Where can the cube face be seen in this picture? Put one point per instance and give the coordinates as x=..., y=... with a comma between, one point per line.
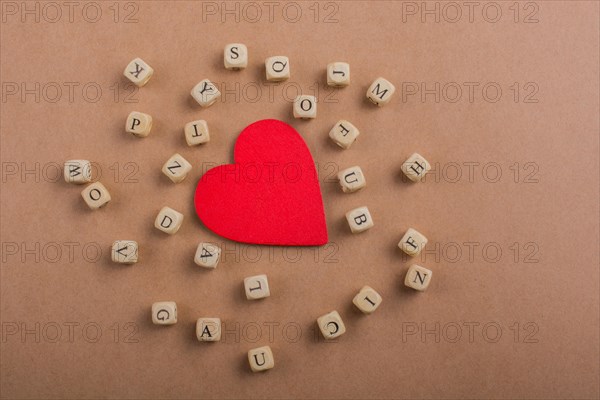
x=257, y=287
x=380, y=92
x=305, y=107
x=338, y=74
x=235, y=56
x=367, y=300
x=138, y=124
x=412, y=242
x=261, y=359
x=176, y=168
x=78, y=171
x=168, y=220
x=343, y=133
x=196, y=132
x=207, y=255
x=277, y=68
x=331, y=325
x=138, y=72
x=205, y=93
x=164, y=313
x=352, y=179
x=418, y=277
x=359, y=219
x=415, y=167
x=95, y=195
x=208, y=329
x=124, y=252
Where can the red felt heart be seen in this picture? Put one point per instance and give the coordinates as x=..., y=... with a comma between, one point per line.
x=271, y=195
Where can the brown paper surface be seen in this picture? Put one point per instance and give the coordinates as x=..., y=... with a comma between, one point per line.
x=500, y=97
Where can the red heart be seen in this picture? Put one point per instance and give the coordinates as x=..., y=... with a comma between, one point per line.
x=271, y=195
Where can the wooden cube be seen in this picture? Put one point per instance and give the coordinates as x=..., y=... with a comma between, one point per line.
x=261, y=359
x=418, y=277
x=235, y=56
x=205, y=93
x=95, y=195
x=415, y=167
x=277, y=68
x=207, y=255
x=412, y=242
x=196, y=132
x=138, y=124
x=338, y=74
x=208, y=329
x=138, y=72
x=176, y=168
x=359, y=219
x=352, y=179
x=164, y=313
x=124, y=251
x=367, y=300
x=78, y=171
x=305, y=107
x=331, y=325
x=380, y=92
x=343, y=133
x=257, y=287
x=168, y=220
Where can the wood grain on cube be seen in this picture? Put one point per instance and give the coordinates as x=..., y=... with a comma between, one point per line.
x=412, y=242
x=261, y=359
x=352, y=179
x=138, y=124
x=176, y=168
x=196, y=132
x=138, y=71
x=78, y=171
x=124, y=251
x=343, y=133
x=164, y=313
x=305, y=107
x=168, y=220
x=95, y=195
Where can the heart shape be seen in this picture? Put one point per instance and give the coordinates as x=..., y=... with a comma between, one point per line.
x=270, y=195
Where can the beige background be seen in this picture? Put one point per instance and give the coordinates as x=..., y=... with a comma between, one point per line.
x=551, y=212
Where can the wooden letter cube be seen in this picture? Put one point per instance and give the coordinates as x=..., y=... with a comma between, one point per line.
x=412, y=242
x=235, y=56
x=380, y=92
x=78, y=171
x=305, y=107
x=343, y=133
x=359, y=219
x=338, y=74
x=208, y=329
x=331, y=325
x=278, y=68
x=124, y=251
x=138, y=124
x=415, y=167
x=164, y=313
x=95, y=195
x=367, y=300
x=196, y=132
x=257, y=287
x=207, y=255
x=205, y=93
x=352, y=179
x=168, y=220
x=138, y=72
x=261, y=359
x=176, y=168
x=418, y=277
